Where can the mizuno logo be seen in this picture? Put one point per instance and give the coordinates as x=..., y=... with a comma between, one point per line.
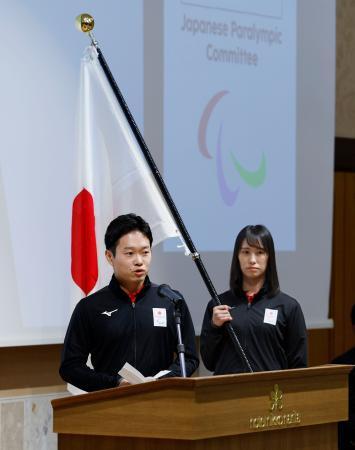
x=108, y=313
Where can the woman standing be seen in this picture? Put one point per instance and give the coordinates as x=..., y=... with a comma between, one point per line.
x=269, y=323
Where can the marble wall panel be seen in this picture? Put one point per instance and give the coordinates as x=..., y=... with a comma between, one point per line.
x=26, y=422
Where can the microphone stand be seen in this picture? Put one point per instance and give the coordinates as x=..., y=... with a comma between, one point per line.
x=180, y=346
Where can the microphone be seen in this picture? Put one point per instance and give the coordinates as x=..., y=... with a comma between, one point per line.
x=165, y=291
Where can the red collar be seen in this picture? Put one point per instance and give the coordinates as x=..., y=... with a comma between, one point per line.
x=250, y=297
x=133, y=295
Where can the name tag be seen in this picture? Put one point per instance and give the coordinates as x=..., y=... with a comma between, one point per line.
x=159, y=317
x=270, y=316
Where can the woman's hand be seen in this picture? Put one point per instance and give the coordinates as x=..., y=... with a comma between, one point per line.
x=221, y=315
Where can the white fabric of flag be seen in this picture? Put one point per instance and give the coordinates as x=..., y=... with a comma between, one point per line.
x=110, y=137
x=111, y=164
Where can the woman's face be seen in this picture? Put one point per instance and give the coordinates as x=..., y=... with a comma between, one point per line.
x=253, y=261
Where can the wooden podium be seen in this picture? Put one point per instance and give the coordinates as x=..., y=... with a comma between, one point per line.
x=288, y=410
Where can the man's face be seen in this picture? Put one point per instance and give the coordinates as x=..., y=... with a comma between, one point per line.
x=132, y=260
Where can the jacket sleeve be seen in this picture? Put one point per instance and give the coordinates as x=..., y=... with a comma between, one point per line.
x=296, y=338
x=211, y=338
x=189, y=341
x=73, y=368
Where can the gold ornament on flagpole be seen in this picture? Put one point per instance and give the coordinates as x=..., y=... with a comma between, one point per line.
x=85, y=23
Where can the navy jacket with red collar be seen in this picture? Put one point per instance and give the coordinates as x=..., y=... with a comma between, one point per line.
x=272, y=332
x=114, y=330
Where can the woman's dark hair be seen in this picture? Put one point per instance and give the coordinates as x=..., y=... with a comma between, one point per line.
x=256, y=236
x=122, y=225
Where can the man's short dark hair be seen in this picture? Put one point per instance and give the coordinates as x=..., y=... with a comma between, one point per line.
x=124, y=224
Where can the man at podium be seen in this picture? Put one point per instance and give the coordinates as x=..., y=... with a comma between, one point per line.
x=270, y=324
x=126, y=321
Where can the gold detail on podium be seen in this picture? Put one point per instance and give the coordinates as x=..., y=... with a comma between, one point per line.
x=276, y=399
x=274, y=419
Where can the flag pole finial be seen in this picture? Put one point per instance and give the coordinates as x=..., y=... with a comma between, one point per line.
x=85, y=23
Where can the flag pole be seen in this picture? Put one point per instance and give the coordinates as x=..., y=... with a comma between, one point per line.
x=85, y=23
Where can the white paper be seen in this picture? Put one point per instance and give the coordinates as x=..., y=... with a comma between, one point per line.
x=133, y=376
x=161, y=373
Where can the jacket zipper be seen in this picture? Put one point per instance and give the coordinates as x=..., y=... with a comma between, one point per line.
x=245, y=336
x=135, y=333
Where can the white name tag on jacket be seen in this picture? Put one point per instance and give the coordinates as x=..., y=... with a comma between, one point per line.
x=270, y=316
x=159, y=317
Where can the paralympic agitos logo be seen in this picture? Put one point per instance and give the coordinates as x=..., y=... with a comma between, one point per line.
x=251, y=178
